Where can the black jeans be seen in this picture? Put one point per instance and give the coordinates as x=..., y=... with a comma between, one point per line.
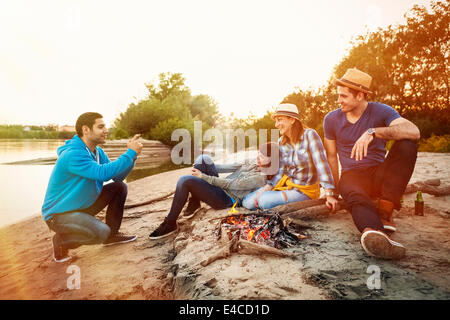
x=79, y=227
x=387, y=181
x=199, y=189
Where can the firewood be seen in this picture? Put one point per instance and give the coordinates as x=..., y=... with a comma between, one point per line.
x=427, y=188
x=312, y=212
x=224, y=252
x=134, y=205
x=247, y=247
x=294, y=206
x=433, y=182
x=430, y=186
x=298, y=223
x=247, y=213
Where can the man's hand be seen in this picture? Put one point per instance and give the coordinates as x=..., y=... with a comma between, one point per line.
x=134, y=144
x=196, y=173
x=359, y=150
x=332, y=204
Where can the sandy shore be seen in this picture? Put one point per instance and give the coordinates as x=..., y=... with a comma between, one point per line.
x=332, y=264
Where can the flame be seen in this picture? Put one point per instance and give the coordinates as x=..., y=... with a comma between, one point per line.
x=246, y=226
x=233, y=210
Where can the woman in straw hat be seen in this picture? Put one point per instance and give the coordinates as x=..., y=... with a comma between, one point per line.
x=303, y=166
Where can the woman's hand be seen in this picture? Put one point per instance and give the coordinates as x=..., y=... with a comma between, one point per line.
x=196, y=173
x=267, y=187
x=332, y=204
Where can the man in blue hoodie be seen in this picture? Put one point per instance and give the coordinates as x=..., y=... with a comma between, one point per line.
x=75, y=192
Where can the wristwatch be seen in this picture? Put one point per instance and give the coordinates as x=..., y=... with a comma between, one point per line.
x=371, y=131
x=329, y=193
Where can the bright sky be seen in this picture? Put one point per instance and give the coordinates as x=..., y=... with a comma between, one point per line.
x=61, y=58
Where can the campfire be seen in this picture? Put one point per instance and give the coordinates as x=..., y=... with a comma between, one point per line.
x=254, y=233
x=266, y=229
x=265, y=232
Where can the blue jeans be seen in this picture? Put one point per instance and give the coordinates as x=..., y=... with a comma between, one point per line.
x=270, y=199
x=79, y=227
x=199, y=189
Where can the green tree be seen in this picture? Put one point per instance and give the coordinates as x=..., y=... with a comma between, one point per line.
x=204, y=108
x=170, y=84
x=169, y=106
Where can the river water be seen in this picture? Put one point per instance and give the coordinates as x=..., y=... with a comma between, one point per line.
x=23, y=187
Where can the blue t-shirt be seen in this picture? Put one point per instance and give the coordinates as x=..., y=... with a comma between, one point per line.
x=337, y=127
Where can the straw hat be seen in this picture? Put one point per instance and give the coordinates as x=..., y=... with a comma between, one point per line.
x=287, y=109
x=355, y=79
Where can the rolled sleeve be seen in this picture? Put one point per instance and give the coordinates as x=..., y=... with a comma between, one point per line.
x=319, y=158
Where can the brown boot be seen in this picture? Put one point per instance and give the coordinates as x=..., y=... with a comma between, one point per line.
x=385, y=213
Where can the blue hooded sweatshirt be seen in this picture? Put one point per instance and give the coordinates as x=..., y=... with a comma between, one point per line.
x=77, y=178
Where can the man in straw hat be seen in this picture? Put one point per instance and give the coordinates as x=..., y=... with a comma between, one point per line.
x=358, y=132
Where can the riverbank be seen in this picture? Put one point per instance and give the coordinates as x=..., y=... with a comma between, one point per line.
x=154, y=153
x=331, y=263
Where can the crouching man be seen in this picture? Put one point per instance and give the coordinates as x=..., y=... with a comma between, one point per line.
x=75, y=192
x=358, y=132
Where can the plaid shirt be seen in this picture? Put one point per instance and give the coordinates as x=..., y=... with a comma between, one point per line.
x=305, y=163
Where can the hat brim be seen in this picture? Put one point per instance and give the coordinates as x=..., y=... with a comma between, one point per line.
x=338, y=82
x=287, y=114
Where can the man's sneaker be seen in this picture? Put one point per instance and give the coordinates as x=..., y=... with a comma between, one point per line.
x=192, y=208
x=378, y=244
x=60, y=253
x=119, y=238
x=165, y=229
x=388, y=225
x=385, y=213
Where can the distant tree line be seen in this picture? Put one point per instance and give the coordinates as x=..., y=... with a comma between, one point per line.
x=32, y=132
